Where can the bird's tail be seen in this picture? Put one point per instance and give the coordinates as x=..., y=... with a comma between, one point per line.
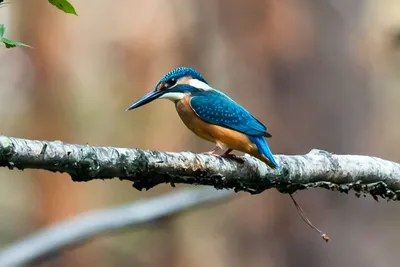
x=264, y=153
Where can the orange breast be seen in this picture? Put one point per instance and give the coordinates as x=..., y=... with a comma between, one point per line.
x=223, y=137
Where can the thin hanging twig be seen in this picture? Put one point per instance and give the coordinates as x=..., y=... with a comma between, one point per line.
x=303, y=215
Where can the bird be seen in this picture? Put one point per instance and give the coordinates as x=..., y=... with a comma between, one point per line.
x=212, y=115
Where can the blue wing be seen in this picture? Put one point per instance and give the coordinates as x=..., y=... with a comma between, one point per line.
x=217, y=108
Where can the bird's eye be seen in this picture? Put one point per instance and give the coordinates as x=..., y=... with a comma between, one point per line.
x=171, y=82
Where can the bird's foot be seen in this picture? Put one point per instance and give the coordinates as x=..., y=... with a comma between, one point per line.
x=232, y=156
x=227, y=153
x=212, y=152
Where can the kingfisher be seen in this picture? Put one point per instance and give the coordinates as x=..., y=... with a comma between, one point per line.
x=212, y=115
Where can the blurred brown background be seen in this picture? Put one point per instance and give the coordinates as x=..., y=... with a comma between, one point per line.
x=320, y=73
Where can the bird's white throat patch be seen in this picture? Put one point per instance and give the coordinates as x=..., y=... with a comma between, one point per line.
x=199, y=84
x=173, y=96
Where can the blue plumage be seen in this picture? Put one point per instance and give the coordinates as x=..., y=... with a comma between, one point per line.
x=179, y=73
x=263, y=148
x=212, y=107
x=217, y=108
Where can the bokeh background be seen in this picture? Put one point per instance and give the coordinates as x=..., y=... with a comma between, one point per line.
x=320, y=73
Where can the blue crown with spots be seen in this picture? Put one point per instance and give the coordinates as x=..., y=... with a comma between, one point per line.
x=182, y=72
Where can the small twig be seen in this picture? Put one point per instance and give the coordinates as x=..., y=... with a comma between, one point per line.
x=306, y=220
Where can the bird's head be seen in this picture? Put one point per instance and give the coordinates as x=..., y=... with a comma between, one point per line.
x=174, y=86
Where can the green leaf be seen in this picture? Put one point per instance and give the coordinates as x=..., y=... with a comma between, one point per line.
x=64, y=5
x=7, y=42
x=2, y=30
x=10, y=43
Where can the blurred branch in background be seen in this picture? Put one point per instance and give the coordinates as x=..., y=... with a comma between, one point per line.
x=147, y=169
x=81, y=228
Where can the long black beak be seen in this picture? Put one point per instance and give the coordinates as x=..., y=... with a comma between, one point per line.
x=153, y=95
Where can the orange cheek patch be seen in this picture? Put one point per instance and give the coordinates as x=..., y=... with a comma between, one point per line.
x=161, y=86
x=185, y=80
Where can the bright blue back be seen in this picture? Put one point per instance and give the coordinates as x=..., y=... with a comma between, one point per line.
x=217, y=108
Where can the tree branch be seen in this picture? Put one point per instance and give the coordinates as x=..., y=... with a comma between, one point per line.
x=88, y=225
x=147, y=169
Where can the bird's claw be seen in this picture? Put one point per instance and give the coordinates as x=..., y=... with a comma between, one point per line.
x=211, y=153
x=227, y=153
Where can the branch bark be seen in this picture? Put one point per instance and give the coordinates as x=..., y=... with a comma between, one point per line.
x=146, y=169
